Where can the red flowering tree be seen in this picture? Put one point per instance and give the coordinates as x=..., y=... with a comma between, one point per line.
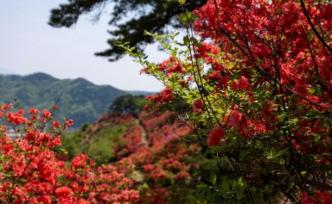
x=258, y=76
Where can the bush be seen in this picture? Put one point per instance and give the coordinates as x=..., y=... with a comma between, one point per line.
x=33, y=172
x=257, y=75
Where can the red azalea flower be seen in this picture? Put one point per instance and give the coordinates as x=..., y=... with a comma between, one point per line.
x=198, y=106
x=56, y=124
x=47, y=114
x=215, y=136
x=69, y=123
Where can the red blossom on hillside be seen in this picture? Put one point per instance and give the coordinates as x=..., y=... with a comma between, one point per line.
x=69, y=123
x=56, y=124
x=33, y=111
x=55, y=107
x=16, y=118
x=47, y=114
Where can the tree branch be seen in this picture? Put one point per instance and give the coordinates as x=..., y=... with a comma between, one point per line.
x=321, y=39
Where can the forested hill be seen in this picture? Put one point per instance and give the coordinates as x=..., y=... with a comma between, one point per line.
x=77, y=99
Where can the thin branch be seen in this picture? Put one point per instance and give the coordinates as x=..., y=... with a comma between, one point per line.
x=194, y=63
x=263, y=72
x=202, y=85
x=324, y=87
x=321, y=39
x=250, y=56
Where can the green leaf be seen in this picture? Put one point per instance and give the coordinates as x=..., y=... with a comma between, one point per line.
x=182, y=2
x=187, y=18
x=213, y=178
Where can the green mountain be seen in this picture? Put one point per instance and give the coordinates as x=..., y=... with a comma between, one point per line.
x=77, y=99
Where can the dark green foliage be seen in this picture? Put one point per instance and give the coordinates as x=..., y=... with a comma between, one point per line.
x=128, y=104
x=176, y=105
x=77, y=99
x=149, y=15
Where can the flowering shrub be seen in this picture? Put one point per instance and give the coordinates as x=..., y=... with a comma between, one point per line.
x=32, y=171
x=258, y=76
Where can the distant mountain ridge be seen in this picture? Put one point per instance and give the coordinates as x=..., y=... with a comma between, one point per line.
x=137, y=93
x=78, y=99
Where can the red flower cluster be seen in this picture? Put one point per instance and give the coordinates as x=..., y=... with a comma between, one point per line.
x=262, y=71
x=198, y=106
x=31, y=171
x=246, y=31
x=164, y=96
x=319, y=198
x=215, y=136
x=171, y=65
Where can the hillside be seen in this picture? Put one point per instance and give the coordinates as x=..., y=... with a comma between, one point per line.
x=113, y=137
x=78, y=99
x=151, y=148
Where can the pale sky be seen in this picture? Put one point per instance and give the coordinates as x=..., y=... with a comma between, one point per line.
x=28, y=44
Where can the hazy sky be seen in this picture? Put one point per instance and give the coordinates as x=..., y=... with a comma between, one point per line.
x=28, y=44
